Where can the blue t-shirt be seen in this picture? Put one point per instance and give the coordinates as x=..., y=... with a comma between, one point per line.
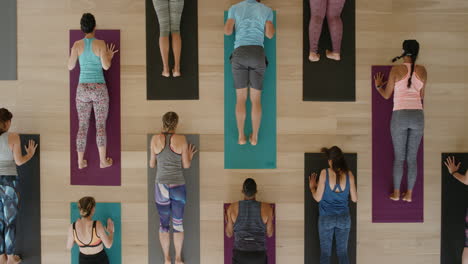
x=250, y=17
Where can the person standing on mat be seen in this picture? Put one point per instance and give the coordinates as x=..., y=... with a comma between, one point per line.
x=171, y=153
x=332, y=10
x=453, y=168
x=169, y=14
x=407, y=125
x=93, y=233
x=93, y=55
x=252, y=21
x=10, y=157
x=250, y=222
x=334, y=188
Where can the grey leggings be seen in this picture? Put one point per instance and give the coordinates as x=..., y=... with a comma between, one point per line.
x=169, y=14
x=407, y=128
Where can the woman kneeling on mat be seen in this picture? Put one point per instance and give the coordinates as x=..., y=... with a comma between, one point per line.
x=453, y=168
x=169, y=14
x=172, y=154
x=10, y=157
x=332, y=192
x=407, y=125
x=85, y=229
x=93, y=55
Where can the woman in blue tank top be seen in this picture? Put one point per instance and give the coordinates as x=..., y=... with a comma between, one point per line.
x=93, y=56
x=333, y=190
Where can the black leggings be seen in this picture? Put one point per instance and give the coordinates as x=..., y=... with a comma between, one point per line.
x=99, y=258
x=249, y=257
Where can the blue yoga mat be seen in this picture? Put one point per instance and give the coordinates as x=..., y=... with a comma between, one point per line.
x=103, y=212
x=262, y=156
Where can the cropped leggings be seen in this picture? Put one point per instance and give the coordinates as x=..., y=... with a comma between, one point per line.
x=170, y=202
x=407, y=128
x=169, y=13
x=89, y=96
x=332, y=10
x=8, y=213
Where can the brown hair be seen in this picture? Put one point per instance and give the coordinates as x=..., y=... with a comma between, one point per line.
x=86, y=206
x=5, y=116
x=339, y=165
x=170, y=121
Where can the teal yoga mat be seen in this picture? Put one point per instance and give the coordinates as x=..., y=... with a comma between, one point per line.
x=262, y=156
x=103, y=212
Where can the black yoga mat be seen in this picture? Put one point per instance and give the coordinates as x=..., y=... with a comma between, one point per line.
x=191, y=249
x=454, y=206
x=184, y=87
x=28, y=226
x=329, y=80
x=315, y=162
x=8, y=44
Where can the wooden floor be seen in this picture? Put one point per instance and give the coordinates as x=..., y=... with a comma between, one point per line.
x=40, y=103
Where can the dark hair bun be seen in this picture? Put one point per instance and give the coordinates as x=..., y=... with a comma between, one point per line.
x=250, y=187
x=88, y=23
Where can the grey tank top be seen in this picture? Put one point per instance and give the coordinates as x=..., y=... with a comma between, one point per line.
x=7, y=161
x=169, y=165
x=249, y=229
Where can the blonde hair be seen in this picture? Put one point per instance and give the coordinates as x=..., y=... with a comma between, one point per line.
x=170, y=121
x=86, y=206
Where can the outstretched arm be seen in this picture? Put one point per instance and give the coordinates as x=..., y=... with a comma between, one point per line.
x=453, y=168
x=106, y=234
x=14, y=139
x=107, y=53
x=390, y=84
x=188, y=152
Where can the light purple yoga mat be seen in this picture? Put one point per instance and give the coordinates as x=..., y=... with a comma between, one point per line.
x=385, y=210
x=229, y=242
x=93, y=175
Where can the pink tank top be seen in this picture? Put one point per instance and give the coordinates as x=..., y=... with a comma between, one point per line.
x=408, y=97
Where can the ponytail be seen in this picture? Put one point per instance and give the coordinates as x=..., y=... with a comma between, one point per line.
x=339, y=165
x=413, y=63
x=410, y=49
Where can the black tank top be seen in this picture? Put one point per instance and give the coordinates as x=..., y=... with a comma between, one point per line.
x=249, y=229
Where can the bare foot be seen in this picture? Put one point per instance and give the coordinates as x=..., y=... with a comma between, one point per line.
x=314, y=57
x=242, y=140
x=167, y=262
x=253, y=140
x=166, y=73
x=395, y=196
x=15, y=259
x=407, y=197
x=83, y=164
x=176, y=73
x=333, y=55
x=179, y=262
x=107, y=163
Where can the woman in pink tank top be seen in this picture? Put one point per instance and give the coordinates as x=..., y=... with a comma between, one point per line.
x=407, y=84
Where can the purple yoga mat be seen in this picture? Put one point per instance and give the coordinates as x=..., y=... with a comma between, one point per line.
x=93, y=175
x=385, y=210
x=229, y=242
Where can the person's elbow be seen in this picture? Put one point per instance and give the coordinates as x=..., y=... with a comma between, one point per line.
x=354, y=199
x=71, y=67
x=106, y=66
x=270, y=233
x=20, y=161
x=270, y=33
x=229, y=234
x=186, y=165
x=228, y=30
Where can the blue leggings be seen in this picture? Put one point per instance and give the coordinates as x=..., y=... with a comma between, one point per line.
x=170, y=202
x=339, y=226
x=8, y=213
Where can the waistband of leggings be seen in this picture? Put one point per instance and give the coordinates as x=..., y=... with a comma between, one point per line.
x=92, y=256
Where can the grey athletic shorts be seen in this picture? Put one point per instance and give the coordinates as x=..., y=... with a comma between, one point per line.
x=248, y=67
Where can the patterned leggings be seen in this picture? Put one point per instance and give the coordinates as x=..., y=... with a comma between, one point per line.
x=332, y=9
x=8, y=213
x=169, y=13
x=89, y=96
x=170, y=198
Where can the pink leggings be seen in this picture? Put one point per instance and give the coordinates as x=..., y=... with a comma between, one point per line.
x=89, y=96
x=332, y=9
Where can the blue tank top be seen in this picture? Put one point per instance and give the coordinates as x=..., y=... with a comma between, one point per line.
x=249, y=229
x=90, y=64
x=333, y=202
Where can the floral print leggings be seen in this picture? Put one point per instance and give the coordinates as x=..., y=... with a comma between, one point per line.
x=89, y=96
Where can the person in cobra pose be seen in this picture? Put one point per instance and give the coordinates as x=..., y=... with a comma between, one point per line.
x=334, y=188
x=169, y=14
x=250, y=222
x=408, y=83
x=10, y=157
x=332, y=10
x=453, y=168
x=85, y=229
x=252, y=22
x=171, y=153
x=93, y=55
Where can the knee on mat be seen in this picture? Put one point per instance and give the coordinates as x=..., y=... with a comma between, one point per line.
x=316, y=19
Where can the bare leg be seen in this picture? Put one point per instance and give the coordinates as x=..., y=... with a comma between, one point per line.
x=176, y=48
x=465, y=256
x=165, y=240
x=82, y=163
x=241, y=113
x=13, y=259
x=164, y=47
x=395, y=196
x=408, y=196
x=255, y=98
x=178, y=243
x=104, y=160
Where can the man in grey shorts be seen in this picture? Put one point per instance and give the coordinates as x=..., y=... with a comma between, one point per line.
x=252, y=21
